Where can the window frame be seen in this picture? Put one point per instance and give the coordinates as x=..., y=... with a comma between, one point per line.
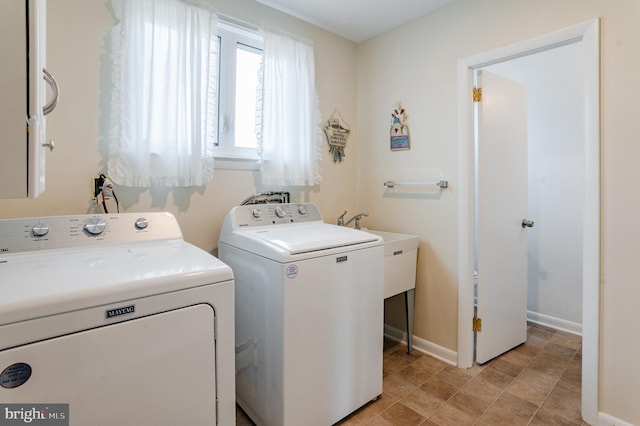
x=226, y=155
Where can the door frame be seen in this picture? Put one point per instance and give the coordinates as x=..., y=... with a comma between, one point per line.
x=587, y=33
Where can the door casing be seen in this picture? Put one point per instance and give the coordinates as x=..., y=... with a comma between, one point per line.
x=589, y=34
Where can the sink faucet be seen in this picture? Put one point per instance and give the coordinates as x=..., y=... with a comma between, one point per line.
x=341, y=219
x=357, y=219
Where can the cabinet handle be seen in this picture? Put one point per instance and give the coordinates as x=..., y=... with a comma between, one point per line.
x=50, y=106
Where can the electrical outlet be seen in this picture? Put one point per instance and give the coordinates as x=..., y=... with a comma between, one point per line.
x=96, y=186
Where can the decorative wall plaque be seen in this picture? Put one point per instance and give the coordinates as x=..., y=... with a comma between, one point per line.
x=337, y=131
x=399, y=132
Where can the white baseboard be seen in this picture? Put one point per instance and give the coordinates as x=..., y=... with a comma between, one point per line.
x=451, y=357
x=607, y=420
x=556, y=323
x=424, y=346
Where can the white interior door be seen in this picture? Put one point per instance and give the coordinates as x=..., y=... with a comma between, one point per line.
x=502, y=200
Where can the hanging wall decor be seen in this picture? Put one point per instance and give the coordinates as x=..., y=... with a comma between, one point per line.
x=337, y=131
x=399, y=131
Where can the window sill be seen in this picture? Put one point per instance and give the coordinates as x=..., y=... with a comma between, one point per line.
x=235, y=163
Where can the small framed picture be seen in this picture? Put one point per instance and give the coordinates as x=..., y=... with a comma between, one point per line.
x=399, y=132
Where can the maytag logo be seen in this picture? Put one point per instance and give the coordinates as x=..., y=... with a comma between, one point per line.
x=341, y=259
x=111, y=313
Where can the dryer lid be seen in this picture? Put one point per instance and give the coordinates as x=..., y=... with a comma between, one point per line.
x=63, y=280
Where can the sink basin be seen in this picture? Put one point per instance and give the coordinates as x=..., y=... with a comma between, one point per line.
x=400, y=257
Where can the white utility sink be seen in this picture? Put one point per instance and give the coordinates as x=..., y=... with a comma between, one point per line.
x=400, y=256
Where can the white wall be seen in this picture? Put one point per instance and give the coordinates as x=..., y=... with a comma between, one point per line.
x=417, y=64
x=77, y=32
x=554, y=81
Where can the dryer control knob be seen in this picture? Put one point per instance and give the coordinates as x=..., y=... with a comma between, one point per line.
x=95, y=225
x=302, y=210
x=256, y=213
x=40, y=229
x=280, y=212
x=141, y=223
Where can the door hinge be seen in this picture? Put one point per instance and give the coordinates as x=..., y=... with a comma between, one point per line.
x=477, y=324
x=477, y=94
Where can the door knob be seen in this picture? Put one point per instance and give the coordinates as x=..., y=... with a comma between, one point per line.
x=526, y=223
x=49, y=145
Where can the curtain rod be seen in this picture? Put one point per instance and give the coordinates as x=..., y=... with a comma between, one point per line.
x=238, y=22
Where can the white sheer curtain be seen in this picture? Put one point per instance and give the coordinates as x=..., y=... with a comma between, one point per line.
x=289, y=131
x=164, y=98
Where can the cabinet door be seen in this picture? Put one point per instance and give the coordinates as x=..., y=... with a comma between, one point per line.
x=13, y=108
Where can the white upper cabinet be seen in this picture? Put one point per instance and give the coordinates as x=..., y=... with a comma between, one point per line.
x=23, y=106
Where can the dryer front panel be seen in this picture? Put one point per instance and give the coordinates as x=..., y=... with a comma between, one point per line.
x=158, y=369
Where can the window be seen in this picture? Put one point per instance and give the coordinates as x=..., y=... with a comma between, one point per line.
x=188, y=87
x=240, y=63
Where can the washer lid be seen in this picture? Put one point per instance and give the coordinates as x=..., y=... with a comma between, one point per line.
x=298, y=238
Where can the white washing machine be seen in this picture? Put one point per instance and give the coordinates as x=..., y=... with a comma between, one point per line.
x=309, y=314
x=118, y=317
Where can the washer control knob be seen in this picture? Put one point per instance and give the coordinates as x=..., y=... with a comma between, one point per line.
x=141, y=223
x=95, y=225
x=280, y=212
x=40, y=229
x=256, y=213
x=302, y=210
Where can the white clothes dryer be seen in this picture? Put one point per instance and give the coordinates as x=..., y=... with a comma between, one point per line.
x=309, y=314
x=118, y=317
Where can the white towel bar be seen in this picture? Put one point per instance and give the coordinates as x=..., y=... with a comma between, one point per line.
x=442, y=184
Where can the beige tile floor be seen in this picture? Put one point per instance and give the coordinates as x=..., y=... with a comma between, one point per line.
x=537, y=383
